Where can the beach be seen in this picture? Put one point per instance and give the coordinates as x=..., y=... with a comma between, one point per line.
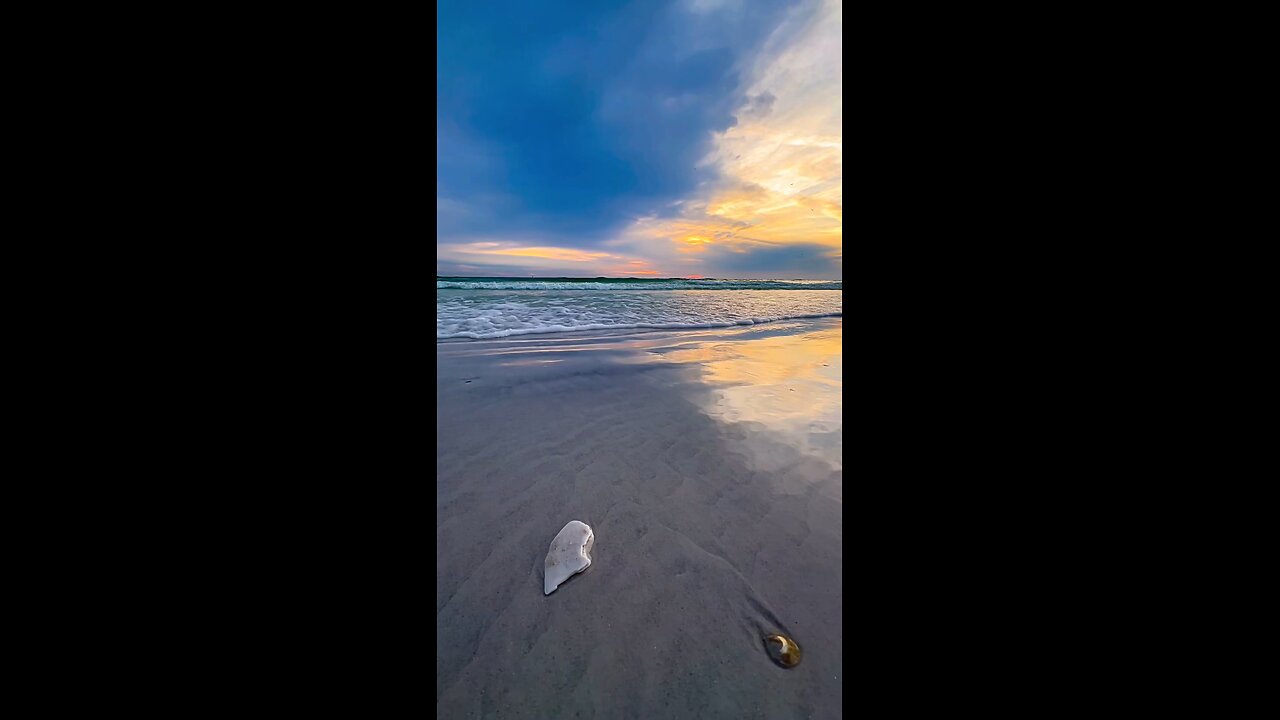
x=707, y=461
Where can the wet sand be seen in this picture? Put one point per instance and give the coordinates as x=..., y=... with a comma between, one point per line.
x=708, y=464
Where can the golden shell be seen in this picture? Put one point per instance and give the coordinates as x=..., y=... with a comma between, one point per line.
x=783, y=650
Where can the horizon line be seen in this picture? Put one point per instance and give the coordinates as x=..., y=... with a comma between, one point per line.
x=625, y=277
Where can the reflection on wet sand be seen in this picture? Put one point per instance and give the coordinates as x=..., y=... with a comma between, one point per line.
x=785, y=386
x=775, y=389
x=706, y=462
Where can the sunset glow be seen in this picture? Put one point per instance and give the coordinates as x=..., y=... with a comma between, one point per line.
x=752, y=112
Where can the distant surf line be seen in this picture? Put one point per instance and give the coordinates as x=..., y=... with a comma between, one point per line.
x=497, y=283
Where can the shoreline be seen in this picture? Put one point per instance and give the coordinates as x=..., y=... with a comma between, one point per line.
x=640, y=327
x=708, y=464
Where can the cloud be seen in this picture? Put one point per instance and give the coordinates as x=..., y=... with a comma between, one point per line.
x=780, y=261
x=498, y=257
x=758, y=106
x=584, y=117
x=656, y=137
x=778, y=197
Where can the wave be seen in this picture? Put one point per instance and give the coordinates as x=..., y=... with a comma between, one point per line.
x=633, y=284
x=559, y=328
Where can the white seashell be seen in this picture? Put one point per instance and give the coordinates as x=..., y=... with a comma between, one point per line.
x=570, y=553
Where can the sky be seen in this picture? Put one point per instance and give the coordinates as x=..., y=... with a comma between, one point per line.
x=655, y=138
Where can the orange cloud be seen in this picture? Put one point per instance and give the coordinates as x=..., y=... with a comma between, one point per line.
x=546, y=258
x=635, y=267
x=694, y=243
x=549, y=253
x=781, y=169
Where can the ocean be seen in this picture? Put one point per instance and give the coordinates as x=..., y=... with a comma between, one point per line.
x=501, y=307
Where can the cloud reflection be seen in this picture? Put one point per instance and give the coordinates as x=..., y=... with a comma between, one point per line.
x=787, y=386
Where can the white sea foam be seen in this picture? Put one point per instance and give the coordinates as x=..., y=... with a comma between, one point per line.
x=539, y=329
x=486, y=314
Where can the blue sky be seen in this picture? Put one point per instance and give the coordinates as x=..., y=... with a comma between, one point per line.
x=661, y=139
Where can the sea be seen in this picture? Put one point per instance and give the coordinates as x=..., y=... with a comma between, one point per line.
x=497, y=307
